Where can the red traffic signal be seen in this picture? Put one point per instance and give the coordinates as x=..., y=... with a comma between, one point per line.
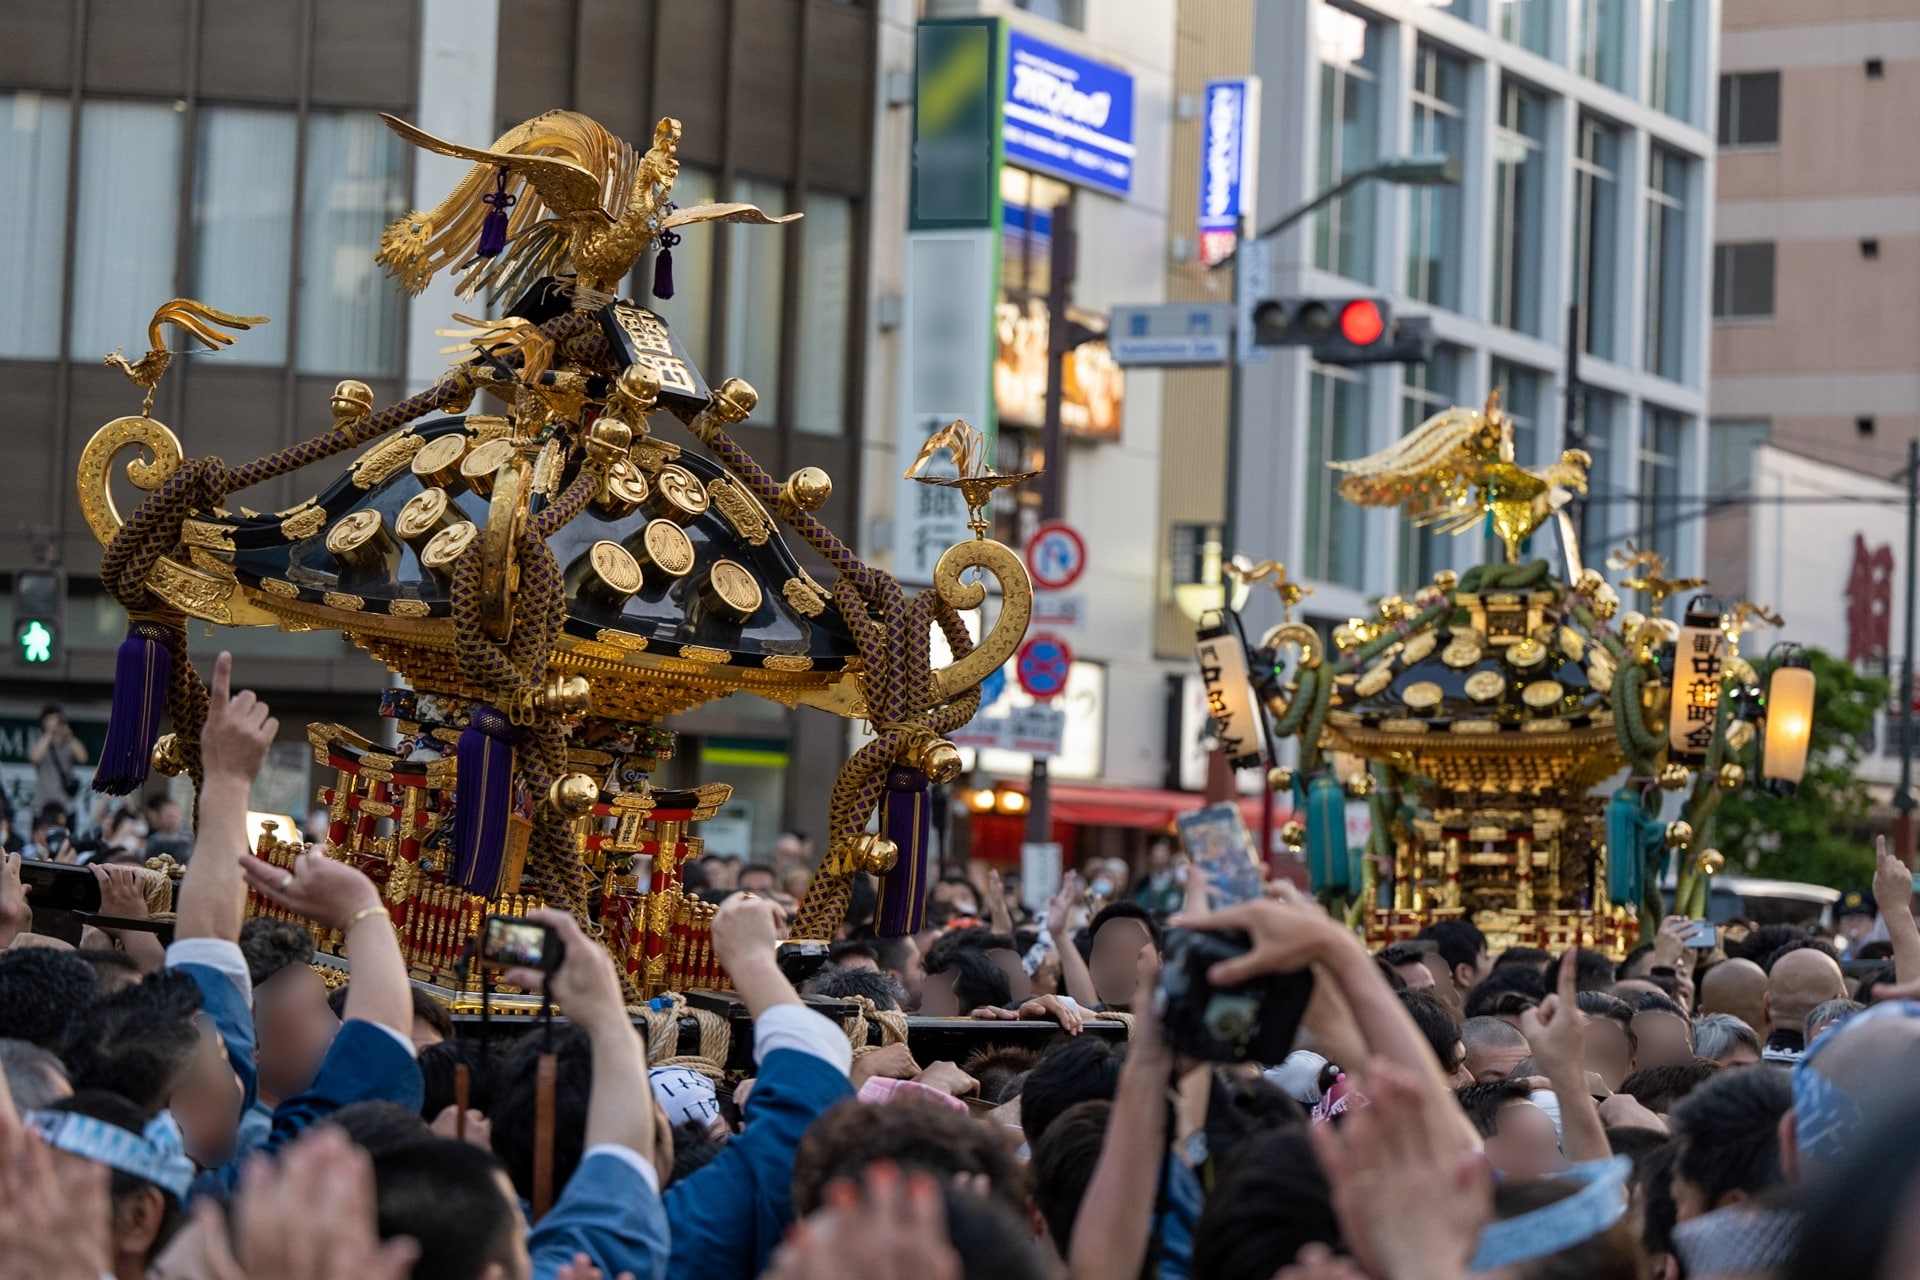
x=1361, y=322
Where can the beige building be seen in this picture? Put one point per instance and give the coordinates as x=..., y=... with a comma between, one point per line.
x=1816, y=336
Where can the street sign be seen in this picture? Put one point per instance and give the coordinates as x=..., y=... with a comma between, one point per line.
x=1170, y=333
x=1036, y=730
x=1058, y=611
x=1042, y=666
x=1229, y=133
x=1056, y=555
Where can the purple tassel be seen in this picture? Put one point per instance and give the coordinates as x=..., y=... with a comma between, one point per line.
x=493, y=231
x=483, y=799
x=663, y=263
x=140, y=675
x=906, y=818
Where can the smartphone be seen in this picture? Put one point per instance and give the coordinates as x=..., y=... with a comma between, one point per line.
x=515, y=942
x=1703, y=935
x=1254, y=1020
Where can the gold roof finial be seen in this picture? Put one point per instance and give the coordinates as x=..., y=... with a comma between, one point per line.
x=975, y=480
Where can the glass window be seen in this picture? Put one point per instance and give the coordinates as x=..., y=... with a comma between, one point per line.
x=1599, y=41
x=1336, y=429
x=1068, y=13
x=1517, y=214
x=1670, y=71
x=1661, y=431
x=756, y=272
x=1521, y=22
x=126, y=224
x=826, y=301
x=689, y=313
x=1730, y=447
x=33, y=155
x=1666, y=262
x=1596, y=259
x=1027, y=202
x=1743, y=281
x=1429, y=388
x=1519, y=389
x=1349, y=51
x=1749, y=110
x=352, y=319
x=243, y=223
x=1433, y=230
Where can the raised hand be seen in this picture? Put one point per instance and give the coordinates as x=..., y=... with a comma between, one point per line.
x=1286, y=937
x=239, y=728
x=746, y=929
x=585, y=985
x=309, y=1216
x=1394, y=1151
x=1892, y=881
x=16, y=917
x=57, y=1221
x=1554, y=1031
x=900, y=1231
x=328, y=892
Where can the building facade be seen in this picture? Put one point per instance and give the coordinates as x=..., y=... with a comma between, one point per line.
x=1584, y=133
x=1818, y=225
x=232, y=151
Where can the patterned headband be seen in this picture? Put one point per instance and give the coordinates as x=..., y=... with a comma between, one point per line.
x=155, y=1155
x=1597, y=1205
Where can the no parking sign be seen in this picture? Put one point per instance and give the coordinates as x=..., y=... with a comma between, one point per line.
x=1042, y=666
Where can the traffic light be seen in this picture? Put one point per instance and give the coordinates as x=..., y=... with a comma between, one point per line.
x=1343, y=330
x=39, y=606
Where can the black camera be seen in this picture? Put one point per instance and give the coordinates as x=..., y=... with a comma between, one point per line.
x=515, y=942
x=1253, y=1020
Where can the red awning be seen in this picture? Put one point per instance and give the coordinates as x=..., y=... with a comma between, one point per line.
x=1086, y=805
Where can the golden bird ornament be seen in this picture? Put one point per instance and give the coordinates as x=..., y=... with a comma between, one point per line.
x=198, y=320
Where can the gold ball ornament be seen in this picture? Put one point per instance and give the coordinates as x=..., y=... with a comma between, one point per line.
x=1392, y=608
x=639, y=386
x=1739, y=733
x=1679, y=835
x=1710, y=862
x=1673, y=776
x=734, y=399
x=1589, y=583
x=1344, y=637
x=351, y=399
x=808, y=488
x=573, y=795
x=608, y=438
x=876, y=855
x=565, y=696
x=1631, y=621
x=1360, y=785
x=1446, y=580
x=1279, y=778
x=1294, y=835
x=169, y=757
x=940, y=760
x=1732, y=777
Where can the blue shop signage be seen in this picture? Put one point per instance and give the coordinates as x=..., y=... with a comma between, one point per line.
x=1068, y=116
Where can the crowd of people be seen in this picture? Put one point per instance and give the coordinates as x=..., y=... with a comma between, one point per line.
x=211, y=1109
x=56, y=819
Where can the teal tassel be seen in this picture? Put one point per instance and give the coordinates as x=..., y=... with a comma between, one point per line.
x=1627, y=831
x=1327, y=854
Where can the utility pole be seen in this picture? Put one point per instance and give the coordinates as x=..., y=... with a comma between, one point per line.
x=1063, y=335
x=1903, y=801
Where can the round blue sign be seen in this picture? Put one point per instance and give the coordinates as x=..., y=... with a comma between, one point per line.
x=1042, y=666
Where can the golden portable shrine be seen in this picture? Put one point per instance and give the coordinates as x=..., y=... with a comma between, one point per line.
x=553, y=578
x=1480, y=718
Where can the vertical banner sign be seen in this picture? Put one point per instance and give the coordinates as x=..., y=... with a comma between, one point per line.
x=1229, y=147
x=1223, y=669
x=1068, y=116
x=1697, y=659
x=953, y=274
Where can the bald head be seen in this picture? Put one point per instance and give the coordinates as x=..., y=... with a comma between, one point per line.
x=1801, y=980
x=1738, y=987
x=1839, y=1089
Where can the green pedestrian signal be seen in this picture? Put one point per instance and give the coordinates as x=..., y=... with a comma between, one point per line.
x=35, y=641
